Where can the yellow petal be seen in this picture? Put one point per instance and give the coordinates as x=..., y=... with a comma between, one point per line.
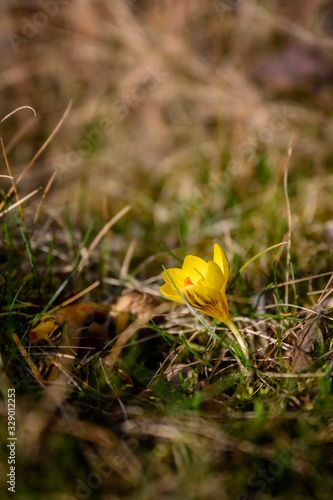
x=223, y=299
x=46, y=331
x=207, y=300
x=168, y=289
x=221, y=260
x=209, y=283
x=176, y=275
x=214, y=277
x=170, y=293
x=194, y=268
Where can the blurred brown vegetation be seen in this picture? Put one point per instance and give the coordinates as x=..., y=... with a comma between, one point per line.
x=170, y=99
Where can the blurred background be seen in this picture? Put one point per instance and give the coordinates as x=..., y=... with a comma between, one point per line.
x=185, y=110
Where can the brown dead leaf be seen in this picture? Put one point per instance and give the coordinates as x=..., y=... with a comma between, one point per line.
x=84, y=325
x=309, y=346
x=131, y=313
x=128, y=306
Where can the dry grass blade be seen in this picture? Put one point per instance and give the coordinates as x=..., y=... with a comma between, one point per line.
x=46, y=190
x=101, y=235
x=285, y=185
x=307, y=375
x=76, y=297
x=28, y=360
x=12, y=179
x=18, y=109
x=127, y=260
x=22, y=200
x=301, y=280
x=326, y=292
x=39, y=152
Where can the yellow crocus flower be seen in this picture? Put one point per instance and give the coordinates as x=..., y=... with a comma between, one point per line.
x=203, y=286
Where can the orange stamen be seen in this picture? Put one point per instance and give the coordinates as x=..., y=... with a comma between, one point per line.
x=188, y=282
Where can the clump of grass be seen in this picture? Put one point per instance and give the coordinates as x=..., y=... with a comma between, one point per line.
x=157, y=391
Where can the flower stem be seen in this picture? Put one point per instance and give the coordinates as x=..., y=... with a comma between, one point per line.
x=241, y=342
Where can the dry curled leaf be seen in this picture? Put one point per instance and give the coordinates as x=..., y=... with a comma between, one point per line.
x=85, y=325
x=128, y=306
